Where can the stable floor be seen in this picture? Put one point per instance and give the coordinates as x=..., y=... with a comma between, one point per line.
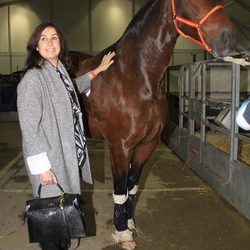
x=175, y=209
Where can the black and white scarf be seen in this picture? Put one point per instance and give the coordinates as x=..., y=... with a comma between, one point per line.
x=80, y=138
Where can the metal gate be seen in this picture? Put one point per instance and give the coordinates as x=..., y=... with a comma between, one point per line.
x=206, y=103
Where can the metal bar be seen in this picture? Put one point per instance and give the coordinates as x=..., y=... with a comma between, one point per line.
x=243, y=137
x=218, y=128
x=235, y=102
x=191, y=95
x=9, y=40
x=203, y=108
x=181, y=103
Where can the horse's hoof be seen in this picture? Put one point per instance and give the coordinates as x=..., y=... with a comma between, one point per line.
x=124, y=239
x=134, y=229
x=128, y=245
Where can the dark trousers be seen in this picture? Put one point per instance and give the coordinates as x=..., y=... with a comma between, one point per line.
x=52, y=245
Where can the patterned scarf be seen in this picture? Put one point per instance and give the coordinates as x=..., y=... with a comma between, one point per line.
x=80, y=138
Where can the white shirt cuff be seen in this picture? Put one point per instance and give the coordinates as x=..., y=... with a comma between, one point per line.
x=38, y=164
x=88, y=92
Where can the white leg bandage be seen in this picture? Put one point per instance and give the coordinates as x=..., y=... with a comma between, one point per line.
x=134, y=190
x=120, y=199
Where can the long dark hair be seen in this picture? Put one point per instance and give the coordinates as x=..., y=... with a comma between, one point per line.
x=34, y=59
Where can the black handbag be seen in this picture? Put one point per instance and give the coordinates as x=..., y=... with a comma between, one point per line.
x=54, y=218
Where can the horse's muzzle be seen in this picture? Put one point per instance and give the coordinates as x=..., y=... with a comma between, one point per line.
x=225, y=43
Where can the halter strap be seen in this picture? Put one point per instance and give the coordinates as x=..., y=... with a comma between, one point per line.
x=198, y=25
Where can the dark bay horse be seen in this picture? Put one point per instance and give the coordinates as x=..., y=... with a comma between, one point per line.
x=127, y=106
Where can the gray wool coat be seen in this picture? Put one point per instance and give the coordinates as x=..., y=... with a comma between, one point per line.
x=46, y=122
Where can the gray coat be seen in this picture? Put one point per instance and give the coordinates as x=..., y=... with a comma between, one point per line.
x=46, y=121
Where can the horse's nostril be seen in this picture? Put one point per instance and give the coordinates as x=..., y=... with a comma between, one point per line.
x=225, y=37
x=227, y=42
x=228, y=38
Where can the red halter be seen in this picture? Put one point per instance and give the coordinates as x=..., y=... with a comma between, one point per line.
x=198, y=25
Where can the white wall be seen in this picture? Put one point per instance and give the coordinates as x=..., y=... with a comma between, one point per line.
x=24, y=17
x=73, y=20
x=4, y=46
x=110, y=19
x=4, y=29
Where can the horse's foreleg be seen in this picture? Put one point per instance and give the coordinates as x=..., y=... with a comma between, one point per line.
x=119, y=164
x=140, y=155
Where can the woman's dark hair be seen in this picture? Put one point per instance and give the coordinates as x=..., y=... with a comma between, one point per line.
x=34, y=59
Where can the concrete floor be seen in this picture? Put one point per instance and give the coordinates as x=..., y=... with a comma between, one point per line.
x=175, y=208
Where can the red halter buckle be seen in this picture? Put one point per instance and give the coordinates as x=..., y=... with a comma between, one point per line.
x=198, y=25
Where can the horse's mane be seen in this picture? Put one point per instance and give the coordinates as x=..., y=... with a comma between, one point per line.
x=139, y=19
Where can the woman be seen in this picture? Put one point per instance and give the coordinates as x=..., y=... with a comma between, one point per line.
x=50, y=118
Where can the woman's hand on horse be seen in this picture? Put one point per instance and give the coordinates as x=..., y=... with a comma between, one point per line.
x=48, y=178
x=107, y=60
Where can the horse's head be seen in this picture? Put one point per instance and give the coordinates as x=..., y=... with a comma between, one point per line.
x=207, y=22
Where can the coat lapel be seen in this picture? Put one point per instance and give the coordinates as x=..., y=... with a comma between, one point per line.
x=62, y=108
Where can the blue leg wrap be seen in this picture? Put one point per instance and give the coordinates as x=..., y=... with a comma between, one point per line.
x=120, y=217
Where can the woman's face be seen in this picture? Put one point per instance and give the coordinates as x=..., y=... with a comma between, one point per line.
x=49, y=45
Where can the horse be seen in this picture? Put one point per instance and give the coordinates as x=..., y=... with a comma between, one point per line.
x=127, y=104
x=76, y=59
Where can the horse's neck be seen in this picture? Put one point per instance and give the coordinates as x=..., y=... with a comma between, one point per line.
x=155, y=38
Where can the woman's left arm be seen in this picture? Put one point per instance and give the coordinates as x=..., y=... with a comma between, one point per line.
x=84, y=82
x=107, y=60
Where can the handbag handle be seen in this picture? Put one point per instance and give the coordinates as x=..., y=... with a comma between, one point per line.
x=40, y=188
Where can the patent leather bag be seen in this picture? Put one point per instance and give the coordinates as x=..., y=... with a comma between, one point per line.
x=54, y=218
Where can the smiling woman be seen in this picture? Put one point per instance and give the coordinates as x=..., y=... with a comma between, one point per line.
x=54, y=143
x=49, y=45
